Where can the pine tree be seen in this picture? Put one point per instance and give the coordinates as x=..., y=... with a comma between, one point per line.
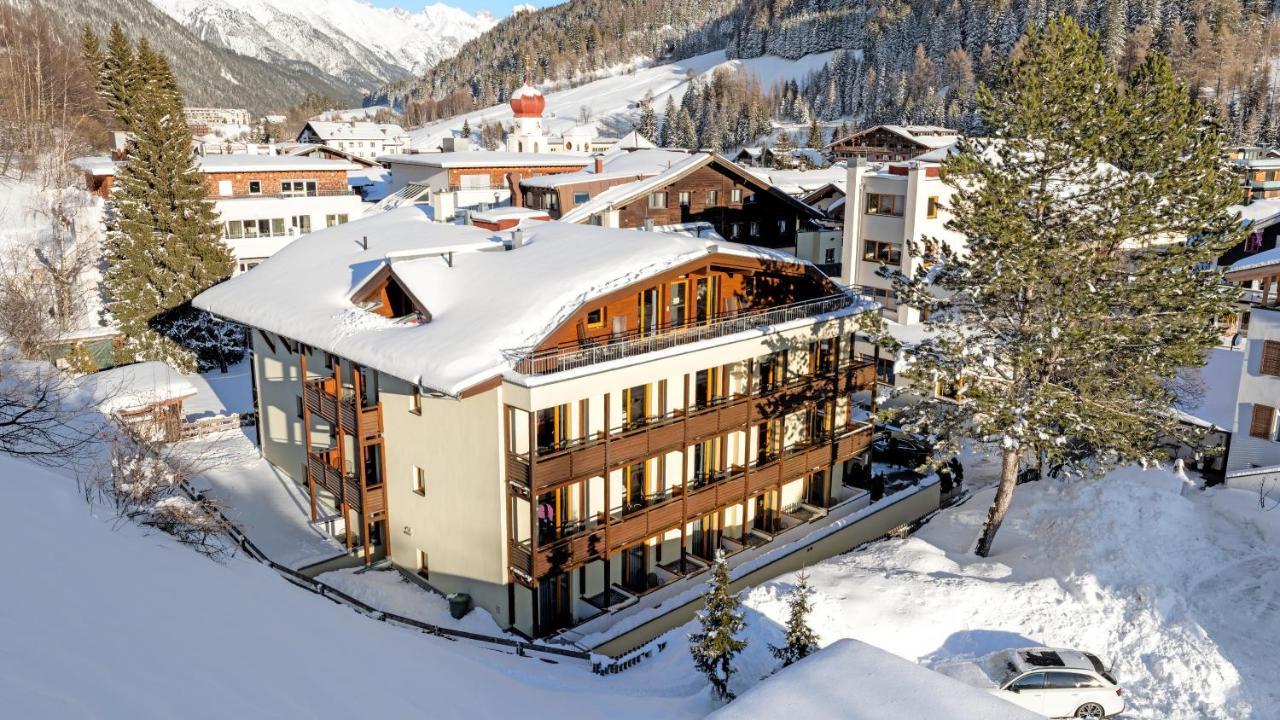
x=668, y=123
x=815, y=135
x=717, y=644
x=801, y=640
x=1128, y=199
x=783, y=151
x=164, y=244
x=647, y=125
x=466, y=129
x=118, y=82
x=683, y=135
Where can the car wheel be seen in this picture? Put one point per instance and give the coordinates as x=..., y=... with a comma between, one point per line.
x=1091, y=710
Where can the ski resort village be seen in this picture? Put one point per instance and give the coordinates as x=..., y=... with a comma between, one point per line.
x=732, y=359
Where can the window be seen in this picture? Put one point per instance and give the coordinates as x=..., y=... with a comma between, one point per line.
x=678, y=307
x=735, y=196
x=635, y=406
x=419, y=481
x=658, y=200
x=822, y=355
x=301, y=223
x=552, y=200
x=224, y=188
x=735, y=230
x=879, y=204
x=1253, y=243
x=713, y=197
x=932, y=211
x=754, y=229
x=882, y=252
x=415, y=400
x=685, y=198
x=298, y=188
x=235, y=229
x=422, y=564
x=255, y=187
x=1031, y=681
x=331, y=220
x=782, y=226
x=299, y=408
x=1263, y=421
x=595, y=318
x=1270, y=358
x=551, y=429
x=829, y=256
x=277, y=227
x=581, y=197
x=1062, y=680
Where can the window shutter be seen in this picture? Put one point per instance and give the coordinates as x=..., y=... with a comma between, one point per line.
x=1270, y=358
x=1263, y=417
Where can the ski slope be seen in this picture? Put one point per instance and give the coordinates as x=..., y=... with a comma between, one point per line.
x=612, y=100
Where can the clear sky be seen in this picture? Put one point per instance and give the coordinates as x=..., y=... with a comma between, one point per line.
x=499, y=8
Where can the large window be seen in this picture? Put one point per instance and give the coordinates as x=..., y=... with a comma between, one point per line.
x=882, y=252
x=713, y=198
x=880, y=204
x=658, y=200
x=581, y=197
x=331, y=220
x=270, y=227
x=301, y=223
x=552, y=428
x=298, y=188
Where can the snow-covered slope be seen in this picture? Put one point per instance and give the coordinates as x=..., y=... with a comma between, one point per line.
x=352, y=40
x=612, y=101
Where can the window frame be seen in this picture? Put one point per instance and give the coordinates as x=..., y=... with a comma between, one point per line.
x=419, y=480
x=600, y=322
x=658, y=200
x=931, y=207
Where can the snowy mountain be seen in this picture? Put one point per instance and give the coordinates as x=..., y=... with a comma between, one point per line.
x=360, y=45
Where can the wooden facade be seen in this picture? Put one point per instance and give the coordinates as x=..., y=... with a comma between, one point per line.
x=504, y=176
x=564, y=197
x=271, y=183
x=882, y=144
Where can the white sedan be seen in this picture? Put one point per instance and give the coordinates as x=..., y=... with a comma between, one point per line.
x=1052, y=682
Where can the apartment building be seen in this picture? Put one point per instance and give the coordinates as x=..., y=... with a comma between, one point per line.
x=1259, y=169
x=560, y=420
x=365, y=139
x=889, y=207
x=1254, y=457
x=263, y=201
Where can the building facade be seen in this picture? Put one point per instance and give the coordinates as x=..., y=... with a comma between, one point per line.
x=892, y=143
x=560, y=421
x=364, y=139
x=892, y=212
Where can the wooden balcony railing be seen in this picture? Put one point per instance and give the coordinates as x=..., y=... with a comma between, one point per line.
x=681, y=505
x=346, y=486
x=586, y=458
x=321, y=398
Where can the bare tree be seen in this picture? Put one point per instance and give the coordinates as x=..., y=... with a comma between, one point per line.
x=43, y=416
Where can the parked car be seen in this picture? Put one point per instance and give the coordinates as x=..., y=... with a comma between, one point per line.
x=1053, y=682
x=899, y=449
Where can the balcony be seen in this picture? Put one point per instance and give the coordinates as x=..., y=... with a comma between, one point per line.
x=321, y=397
x=580, y=543
x=623, y=345
x=323, y=473
x=587, y=458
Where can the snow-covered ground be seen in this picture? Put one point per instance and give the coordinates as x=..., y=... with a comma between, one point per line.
x=612, y=100
x=219, y=393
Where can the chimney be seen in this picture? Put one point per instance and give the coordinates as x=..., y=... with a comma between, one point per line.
x=517, y=238
x=364, y=243
x=599, y=165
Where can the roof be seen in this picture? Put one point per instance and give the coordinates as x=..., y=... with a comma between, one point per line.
x=131, y=388
x=1259, y=213
x=930, y=136
x=797, y=182
x=573, y=178
x=1262, y=260
x=103, y=165
x=355, y=130
x=633, y=140
x=508, y=212
x=1217, y=384
x=481, y=158
x=623, y=194
x=303, y=149
x=852, y=680
x=485, y=302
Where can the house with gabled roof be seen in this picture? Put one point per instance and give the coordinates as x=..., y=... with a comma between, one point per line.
x=892, y=143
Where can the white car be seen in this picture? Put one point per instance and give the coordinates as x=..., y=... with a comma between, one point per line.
x=1052, y=682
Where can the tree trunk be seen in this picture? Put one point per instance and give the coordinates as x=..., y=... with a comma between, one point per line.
x=1000, y=506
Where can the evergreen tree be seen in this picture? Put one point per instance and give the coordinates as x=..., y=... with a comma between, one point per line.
x=815, y=135
x=783, y=151
x=118, y=82
x=466, y=129
x=164, y=243
x=647, y=125
x=801, y=640
x=1095, y=183
x=717, y=644
x=683, y=135
x=668, y=123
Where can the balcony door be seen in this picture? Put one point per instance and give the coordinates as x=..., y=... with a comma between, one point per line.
x=649, y=311
x=552, y=429
x=766, y=517
x=706, y=387
x=635, y=563
x=555, y=609
x=634, y=486
x=635, y=406
x=679, y=305
x=706, y=292
x=705, y=536
x=815, y=489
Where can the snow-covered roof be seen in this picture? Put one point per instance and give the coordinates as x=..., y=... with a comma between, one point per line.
x=355, y=130
x=623, y=193
x=555, y=181
x=852, y=680
x=526, y=90
x=476, y=159
x=646, y=161
x=930, y=136
x=131, y=388
x=1259, y=213
x=632, y=141
x=270, y=163
x=485, y=301
x=232, y=162
x=1218, y=383
x=1266, y=258
x=508, y=212
x=796, y=182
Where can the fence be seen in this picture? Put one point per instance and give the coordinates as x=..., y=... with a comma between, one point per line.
x=331, y=593
x=216, y=424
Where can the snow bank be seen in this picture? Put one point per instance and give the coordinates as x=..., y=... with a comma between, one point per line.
x=852, y=680
x=1174, y=590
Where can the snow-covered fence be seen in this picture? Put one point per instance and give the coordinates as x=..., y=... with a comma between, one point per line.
x=216, y=424
x=520, y=647
x=605, y=665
